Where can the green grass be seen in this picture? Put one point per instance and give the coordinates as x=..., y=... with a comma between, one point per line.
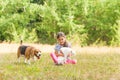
x=89, y=67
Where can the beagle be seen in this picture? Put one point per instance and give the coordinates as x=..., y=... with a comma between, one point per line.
x=28, y=52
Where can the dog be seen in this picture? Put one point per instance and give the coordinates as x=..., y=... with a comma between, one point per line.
x=67, y=52
x=28, y=52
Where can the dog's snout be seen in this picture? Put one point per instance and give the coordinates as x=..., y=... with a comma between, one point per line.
x=39, y=54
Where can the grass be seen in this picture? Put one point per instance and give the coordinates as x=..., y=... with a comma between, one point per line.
x=89, y=67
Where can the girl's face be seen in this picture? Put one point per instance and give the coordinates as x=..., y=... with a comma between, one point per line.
x=61, y=40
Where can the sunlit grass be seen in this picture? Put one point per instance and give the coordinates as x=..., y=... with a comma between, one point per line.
x=89, y=67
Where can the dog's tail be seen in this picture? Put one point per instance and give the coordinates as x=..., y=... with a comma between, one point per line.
x=21, y=41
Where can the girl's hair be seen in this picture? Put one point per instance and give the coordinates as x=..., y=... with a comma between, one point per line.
x=60, y=34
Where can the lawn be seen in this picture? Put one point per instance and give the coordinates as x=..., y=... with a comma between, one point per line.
x=98, y=66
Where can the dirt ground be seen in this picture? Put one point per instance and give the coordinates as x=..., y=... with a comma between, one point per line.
x=12, y=48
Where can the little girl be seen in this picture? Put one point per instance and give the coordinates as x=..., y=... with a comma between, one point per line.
x=59, y=54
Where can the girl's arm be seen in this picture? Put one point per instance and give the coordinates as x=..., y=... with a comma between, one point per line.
x=60, y=54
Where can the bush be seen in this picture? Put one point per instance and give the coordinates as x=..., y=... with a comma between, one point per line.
x=89, y=22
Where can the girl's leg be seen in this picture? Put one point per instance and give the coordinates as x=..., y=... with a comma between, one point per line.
x=71, y=61
x=54, y=57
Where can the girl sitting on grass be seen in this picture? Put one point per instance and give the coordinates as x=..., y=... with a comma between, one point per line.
x=63, y=51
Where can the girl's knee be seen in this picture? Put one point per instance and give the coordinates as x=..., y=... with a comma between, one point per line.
x=71, y=61
x=54, y=58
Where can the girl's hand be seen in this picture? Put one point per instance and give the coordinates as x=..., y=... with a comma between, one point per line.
x=60, y=54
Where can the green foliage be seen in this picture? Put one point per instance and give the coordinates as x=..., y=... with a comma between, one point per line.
x=38, y=1
x=99, y=23
x=92, y=21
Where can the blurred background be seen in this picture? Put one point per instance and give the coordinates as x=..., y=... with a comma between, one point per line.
x=85, y=22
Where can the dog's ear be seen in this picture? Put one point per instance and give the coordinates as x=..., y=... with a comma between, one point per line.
x=32, y=51
x=35, y=51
